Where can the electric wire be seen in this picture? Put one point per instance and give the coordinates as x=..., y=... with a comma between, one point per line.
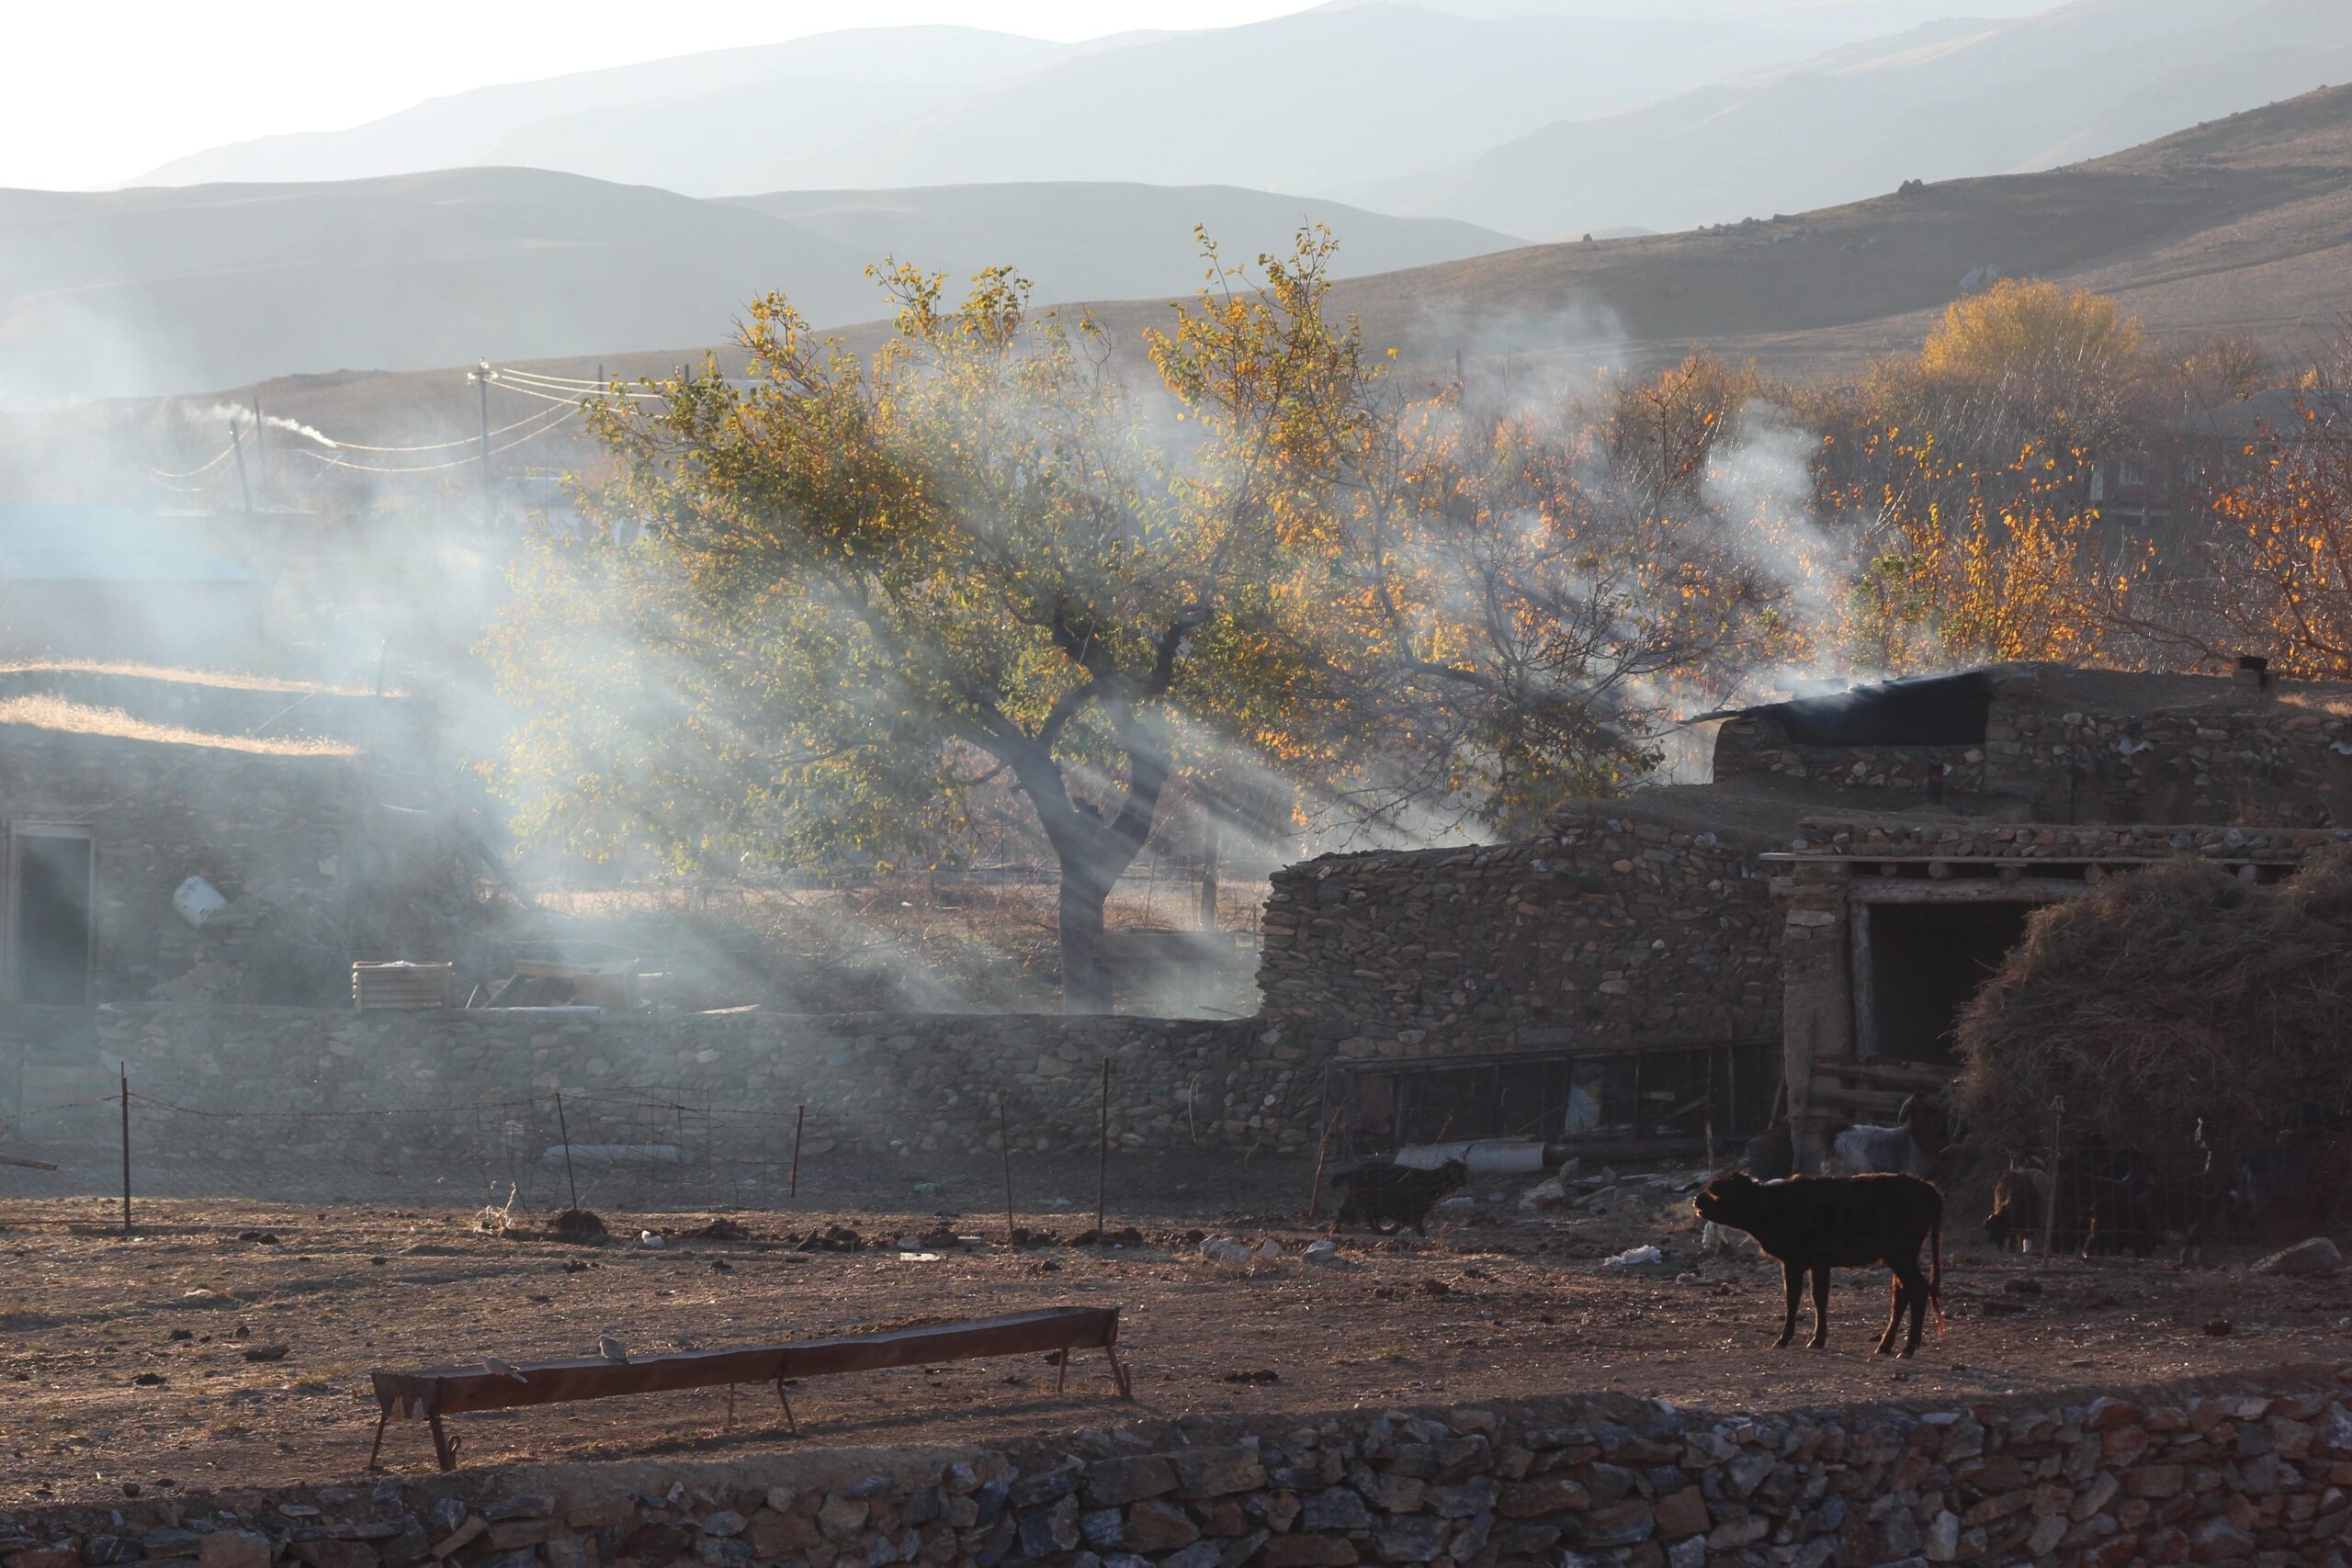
x=552, y=423
x=218, y=459
x=430, y=446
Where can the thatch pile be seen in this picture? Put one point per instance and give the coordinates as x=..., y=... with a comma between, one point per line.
x=2177, y=993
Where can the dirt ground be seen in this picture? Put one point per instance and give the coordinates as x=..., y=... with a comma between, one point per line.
x=123, y=1361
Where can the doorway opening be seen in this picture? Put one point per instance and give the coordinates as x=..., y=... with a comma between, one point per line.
x=1926, y=962
x=50, y=906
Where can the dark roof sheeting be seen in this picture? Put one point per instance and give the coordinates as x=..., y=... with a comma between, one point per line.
x=1922, y=710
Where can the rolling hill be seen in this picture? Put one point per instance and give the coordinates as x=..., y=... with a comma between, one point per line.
x=162, y=289
x=1946, y=100
x=2239, y=227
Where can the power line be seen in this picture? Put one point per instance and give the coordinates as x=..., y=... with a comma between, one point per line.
x=569, y=414
x=430, y=446
x=218, y=459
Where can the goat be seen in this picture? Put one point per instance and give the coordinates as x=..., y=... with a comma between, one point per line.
x=1381, y=1195
x=1909, y=1147
x=1814, y=1224
x=2018, y=1199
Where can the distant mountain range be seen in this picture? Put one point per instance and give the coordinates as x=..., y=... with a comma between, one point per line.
x=1944, y=101
x=1544, y=117
x=606, y=211
x=1318, y=102
x=126, y=293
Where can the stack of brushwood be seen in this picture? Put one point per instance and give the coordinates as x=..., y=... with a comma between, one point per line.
x=2175, y=995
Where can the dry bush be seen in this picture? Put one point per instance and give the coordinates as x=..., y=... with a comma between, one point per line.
x=2173, y=994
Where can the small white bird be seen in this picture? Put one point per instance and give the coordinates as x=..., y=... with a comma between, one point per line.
x=498, y=1366
x=613, y=1350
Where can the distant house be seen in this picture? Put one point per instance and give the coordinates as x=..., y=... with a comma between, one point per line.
x=105, y=581
x=2187, y=458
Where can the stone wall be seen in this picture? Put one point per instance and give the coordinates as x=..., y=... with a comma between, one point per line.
x=881, y=1081
x=2189, y=750
x=1612, y=928
x=2260, y=1474
x=1977, y=840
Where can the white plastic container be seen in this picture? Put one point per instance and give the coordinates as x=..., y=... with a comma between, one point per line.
x=198, y=902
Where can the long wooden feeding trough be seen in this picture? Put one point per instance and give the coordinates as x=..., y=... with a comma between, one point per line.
x=430, y=1395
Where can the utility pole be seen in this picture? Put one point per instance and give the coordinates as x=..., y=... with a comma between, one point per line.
x=261, y=451
x=480, y=379
x=237, y=443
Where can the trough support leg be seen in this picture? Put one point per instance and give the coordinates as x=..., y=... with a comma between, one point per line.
x=790, y=1425
x=383, y=1419
x=731, y=1407
x=1061, y=1368
x=445, y=1447
x=1119, y=1373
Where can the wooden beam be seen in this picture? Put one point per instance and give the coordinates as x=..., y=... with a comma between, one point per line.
x=1864, y=977
x=1864, y=1102
x=2025, y=890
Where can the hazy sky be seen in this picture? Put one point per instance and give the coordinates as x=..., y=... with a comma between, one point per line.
x=94, y=91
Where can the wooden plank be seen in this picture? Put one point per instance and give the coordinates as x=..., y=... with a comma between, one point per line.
x=1882, y=1073
x=1877, y=1102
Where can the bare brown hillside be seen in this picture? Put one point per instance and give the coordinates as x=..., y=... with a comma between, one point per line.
x=2241, y=226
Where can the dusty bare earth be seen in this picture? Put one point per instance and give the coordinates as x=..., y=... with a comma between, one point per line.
x=123, y=1361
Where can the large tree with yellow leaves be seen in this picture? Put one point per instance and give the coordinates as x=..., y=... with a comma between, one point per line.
x=821, y=605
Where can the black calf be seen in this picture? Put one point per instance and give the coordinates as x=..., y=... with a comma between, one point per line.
x=1383, y=1195
x=1815, y=1225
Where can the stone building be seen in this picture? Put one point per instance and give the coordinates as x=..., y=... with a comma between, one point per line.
x=1795, y=936
x=289, y=805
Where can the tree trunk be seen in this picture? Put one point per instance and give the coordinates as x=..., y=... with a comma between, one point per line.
x=1086, y=982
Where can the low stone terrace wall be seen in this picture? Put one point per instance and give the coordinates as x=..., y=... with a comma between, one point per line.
x=898, y=1080
x=2258, y=1474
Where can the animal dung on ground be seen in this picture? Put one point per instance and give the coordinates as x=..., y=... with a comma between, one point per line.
x=265, y=1353
x=577, y=1225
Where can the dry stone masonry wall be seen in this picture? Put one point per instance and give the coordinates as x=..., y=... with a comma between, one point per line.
x=1610, y=930
x=2282, y=761
x=2255, y=1475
